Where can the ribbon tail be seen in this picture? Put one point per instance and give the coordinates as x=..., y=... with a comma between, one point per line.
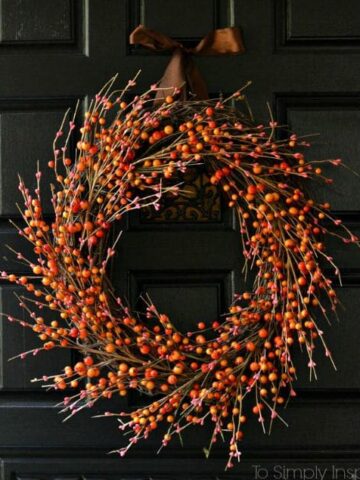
x=174, y=78
x=223, y=41
x=151, y=39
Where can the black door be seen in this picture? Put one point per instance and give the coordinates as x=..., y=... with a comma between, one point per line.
x=303, y=58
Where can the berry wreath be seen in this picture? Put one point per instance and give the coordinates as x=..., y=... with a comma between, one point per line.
x=131, y=154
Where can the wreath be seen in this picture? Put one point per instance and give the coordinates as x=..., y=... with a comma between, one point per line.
x=129, y=155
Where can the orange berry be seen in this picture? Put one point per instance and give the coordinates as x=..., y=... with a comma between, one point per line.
x=145, y=349
x=254, y=366
x=150, y=385
x=88, y=361
x=269, y=197
x=169, y=129
x=200, y=339
x=250, y=346
x=110, y=348
x=88, y=226
x=263, y=333
x=178, y=369
x=252, y=189
x=172, y=379
x=37, y=270
x=123, y=367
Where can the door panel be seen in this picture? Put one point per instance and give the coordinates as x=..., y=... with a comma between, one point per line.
x=303, y=58
x=329, y=120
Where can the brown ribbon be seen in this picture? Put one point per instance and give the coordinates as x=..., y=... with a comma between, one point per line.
x=182, y=72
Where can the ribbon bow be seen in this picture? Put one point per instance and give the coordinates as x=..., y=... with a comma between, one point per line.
x=182, y=72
